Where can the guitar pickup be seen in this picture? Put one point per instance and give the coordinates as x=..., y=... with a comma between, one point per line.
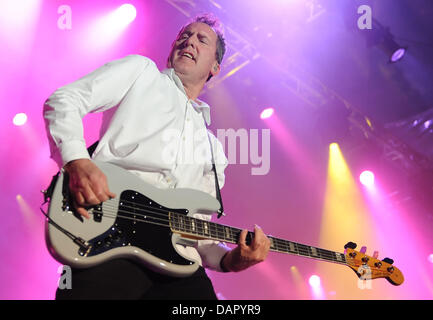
x=97, y=216
x=97, y=212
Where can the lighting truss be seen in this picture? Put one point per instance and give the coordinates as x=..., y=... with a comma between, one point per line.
x=240, y=53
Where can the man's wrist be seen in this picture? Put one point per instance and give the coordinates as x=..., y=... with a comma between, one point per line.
x=222, y=265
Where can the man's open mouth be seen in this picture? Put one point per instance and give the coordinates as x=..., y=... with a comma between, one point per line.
x=188, y=55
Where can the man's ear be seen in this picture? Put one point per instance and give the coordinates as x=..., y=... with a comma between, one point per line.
x=169, y=55
x=215, y=69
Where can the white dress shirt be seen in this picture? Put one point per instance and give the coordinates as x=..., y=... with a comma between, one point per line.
x=149, y=127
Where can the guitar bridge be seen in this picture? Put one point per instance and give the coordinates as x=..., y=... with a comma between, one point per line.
x=84, y=246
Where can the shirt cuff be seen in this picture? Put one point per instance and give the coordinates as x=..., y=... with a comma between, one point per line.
x=73, y=150
x=211, y=253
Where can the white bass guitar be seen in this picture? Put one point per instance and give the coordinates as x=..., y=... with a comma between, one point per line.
x=145, y=223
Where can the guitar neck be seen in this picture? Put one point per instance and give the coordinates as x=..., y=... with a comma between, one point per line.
x=199, y=229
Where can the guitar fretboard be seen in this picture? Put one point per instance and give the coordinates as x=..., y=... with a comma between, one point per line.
x=209, y=230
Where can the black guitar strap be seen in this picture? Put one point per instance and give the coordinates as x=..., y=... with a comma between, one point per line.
x=217, y=185
x=92, y=148
x=220, y=211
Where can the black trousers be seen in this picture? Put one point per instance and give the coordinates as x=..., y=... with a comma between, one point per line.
x=126, y=279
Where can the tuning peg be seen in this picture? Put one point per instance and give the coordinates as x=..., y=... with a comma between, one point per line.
x=376, y=254
x=350, y=245
x=363, y=250
x=388, y=260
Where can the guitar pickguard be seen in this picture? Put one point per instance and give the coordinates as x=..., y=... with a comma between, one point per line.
x=140, y=222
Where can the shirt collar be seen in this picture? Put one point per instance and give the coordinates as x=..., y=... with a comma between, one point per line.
x=198, y=105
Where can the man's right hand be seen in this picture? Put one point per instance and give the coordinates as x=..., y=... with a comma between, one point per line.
x=88, y=185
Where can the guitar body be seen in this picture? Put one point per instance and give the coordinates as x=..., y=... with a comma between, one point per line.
x=134, y=225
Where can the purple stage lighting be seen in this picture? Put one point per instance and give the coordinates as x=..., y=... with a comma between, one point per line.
x=267, y=113
x=398, y=54
x=367, y=178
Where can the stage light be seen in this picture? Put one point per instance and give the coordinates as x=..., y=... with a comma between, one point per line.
x=334, y=146
x=394, y=51
x=398, y=54
x=430, y=258
x=267, y=113
x=125, y=14
x=106, y=29
x=314, y=281
x=367, y=178
x=18, y=25
x=382, y=37
x=20, y=119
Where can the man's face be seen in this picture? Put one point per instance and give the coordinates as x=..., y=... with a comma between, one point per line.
x=193, y=55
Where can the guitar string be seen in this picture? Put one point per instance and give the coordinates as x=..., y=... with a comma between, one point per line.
x=175, y=215
x=305, y=249
x=300, y=250
x=218, y=227
x=281, y=244
x=381, y=273
x=202, y=230
x=165, y=225
x=164, y=219
x=327, y=254
x=114, y=216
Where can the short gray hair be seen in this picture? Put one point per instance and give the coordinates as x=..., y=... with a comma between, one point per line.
x=215, y=24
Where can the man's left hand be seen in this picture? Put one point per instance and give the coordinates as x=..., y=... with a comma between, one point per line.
x=245, y=256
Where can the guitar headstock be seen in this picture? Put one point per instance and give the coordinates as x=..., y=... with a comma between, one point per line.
x=367, y=267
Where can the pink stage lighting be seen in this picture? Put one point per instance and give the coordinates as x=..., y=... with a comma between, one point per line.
x=20, y=119
x=314, y=281
x=430, y=258
x=125, y=14
x=105, y=30
x=267, y=113
x=367, y=178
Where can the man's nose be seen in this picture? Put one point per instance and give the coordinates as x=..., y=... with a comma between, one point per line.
x=190, y=42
